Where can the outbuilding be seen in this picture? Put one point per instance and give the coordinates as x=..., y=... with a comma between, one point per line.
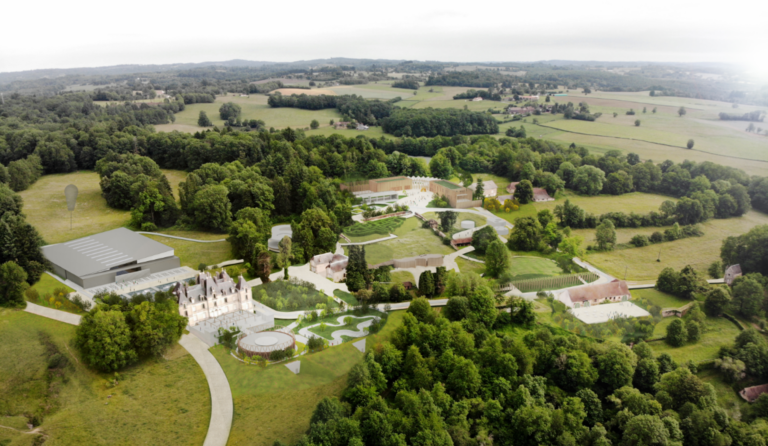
x=115, y=256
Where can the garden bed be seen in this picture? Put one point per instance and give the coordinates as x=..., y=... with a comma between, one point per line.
x=293, y=295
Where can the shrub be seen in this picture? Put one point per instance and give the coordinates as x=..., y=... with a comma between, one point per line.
x=640, y=240
x=657, y=237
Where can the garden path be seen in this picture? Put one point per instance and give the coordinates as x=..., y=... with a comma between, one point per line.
x=50, y=313
x=336, y=335
x=222, y=407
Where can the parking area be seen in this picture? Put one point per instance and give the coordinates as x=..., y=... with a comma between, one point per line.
x=604, y=313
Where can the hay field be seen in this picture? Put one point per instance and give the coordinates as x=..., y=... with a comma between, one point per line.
x=639, y=202
x=699, y=252
x=312, y=92
x=254, y=107
x=46, y=207
x=158, y=401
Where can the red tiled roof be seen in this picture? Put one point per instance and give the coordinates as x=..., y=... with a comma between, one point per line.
x=751, y=393
x=593, y=292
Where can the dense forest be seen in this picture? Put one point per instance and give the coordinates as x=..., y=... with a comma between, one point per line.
x=439, y=122
x=351, y=106
x=470, y=376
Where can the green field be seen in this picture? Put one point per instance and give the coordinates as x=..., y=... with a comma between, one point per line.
x=638, y=202
x=402, y=276
x=273, y=403
x=533, y=268
x=659, y=298
x=254, y=107
x=349, y=298
x=699, y=252
x=468, y=266
x=363, y=232
x=46, y=207
x=718, y=332
x=462, y=216
x=164, y=401
x=193, y=253
x=411, y=241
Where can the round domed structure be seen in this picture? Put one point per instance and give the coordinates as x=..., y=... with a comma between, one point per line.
x=265, y=342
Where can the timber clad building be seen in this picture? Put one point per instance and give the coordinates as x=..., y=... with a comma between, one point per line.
x=119, y=255
x=458, y=196
x=380, y=189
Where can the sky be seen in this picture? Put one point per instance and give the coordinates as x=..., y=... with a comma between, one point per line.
x=88, y=33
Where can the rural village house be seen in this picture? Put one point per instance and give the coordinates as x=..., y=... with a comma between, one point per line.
x=731, y=273
x=489, y=188
x=589, y=295
x=539, y=194
x=330, y=265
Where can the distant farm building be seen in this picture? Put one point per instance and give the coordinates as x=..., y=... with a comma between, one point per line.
x=477, y=99
x=362, y=127
x=489, y=188
x=529, y=98
x=539, y=194
x=341, y=125
x=520, y=110
x=590, y=295
x=731, y=273
x=750, y=394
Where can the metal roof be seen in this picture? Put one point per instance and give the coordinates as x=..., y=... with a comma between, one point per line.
x=104, y=251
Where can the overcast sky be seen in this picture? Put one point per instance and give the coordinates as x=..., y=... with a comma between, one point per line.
x=88, y=33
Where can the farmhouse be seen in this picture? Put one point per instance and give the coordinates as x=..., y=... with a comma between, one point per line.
x=521, y=110
x=590, y=295
x=529, y=98
x=489, y=188
x=332, y=266
x=459, y=197
x=731, y=273
x=539, y=194
x=362, y=127
x=115, y=256
x=477, y=99
x=212, y=296
x=750, y=394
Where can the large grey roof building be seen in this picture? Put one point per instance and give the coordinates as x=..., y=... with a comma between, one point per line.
x=119, y=255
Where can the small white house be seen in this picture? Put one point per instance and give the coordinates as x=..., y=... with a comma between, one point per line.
x=489, y=189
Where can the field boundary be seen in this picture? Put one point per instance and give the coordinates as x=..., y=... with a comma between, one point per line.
x=651, y=142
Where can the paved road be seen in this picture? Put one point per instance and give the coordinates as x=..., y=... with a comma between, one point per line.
x=222, y=407
x=221, y=396
x=50, y=313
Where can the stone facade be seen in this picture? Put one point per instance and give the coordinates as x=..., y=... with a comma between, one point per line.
x=212, y=296
x=332, y=266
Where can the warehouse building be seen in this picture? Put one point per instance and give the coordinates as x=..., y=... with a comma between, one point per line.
x=116, y=256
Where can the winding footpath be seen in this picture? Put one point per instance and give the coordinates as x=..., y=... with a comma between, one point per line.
x=222, y=407
x=336, y=335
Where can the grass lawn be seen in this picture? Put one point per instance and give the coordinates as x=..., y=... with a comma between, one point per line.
x=638, y=202
x=254, y=107
x=46, y=207
x=727, y=397
x=274, y=404
x=659, y=298
x=329, y=329
x=193, y=254
x=533, y=268
x=349, y=298
x=175, y=177
x=45, y=288
x=411, y=241
x=699, y=252
x=526, y=210
x=462, y=216
x=719, y=332
x=468, y=266
x=164, y=401
x=402, y=276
